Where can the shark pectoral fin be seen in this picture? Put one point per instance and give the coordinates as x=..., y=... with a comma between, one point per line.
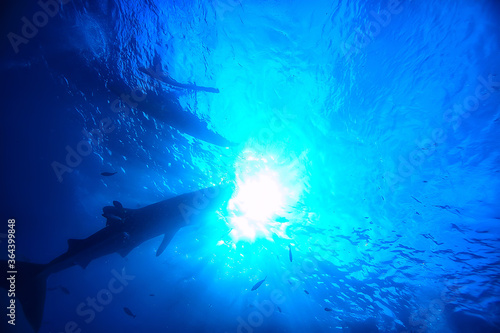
x=164, y=243
x=110, y=210
x=114, y=210
x=112, y=220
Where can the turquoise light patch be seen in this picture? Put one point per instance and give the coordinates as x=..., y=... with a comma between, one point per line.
x=266, y=190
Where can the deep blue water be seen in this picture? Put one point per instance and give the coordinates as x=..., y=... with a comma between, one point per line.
x=365, y=150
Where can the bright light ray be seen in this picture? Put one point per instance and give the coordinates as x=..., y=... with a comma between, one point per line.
x=260, y=196
x=265, y=190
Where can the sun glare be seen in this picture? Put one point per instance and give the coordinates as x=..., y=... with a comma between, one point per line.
x=260, y=197
x=265, y=189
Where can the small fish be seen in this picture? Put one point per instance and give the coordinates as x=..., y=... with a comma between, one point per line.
x=128, y=312
x=151, y=294
x=415, y=199
x=306, y=291
x=279, y=309
x=290, y=253
x=107, y=174
x=258, y=284
x=328, y=309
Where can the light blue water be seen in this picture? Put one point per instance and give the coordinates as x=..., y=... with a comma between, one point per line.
x=386, y=194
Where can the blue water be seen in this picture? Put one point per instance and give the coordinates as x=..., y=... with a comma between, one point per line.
x=366, y=160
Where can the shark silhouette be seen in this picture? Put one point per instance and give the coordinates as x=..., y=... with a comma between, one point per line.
x=125, y=230
x=165, y=107
x=99, y=83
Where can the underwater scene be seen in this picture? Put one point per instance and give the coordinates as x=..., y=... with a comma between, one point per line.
x=249, y=166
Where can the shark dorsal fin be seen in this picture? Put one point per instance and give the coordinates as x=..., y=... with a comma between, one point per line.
x=164, y=243
x=117, y=204
x=114, y=210
x=112, y=220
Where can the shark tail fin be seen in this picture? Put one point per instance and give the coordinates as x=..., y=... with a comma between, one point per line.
x=30, y=289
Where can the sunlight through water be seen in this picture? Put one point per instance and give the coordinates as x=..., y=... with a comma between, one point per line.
x=267, y=188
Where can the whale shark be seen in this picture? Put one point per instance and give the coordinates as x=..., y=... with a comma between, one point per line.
x=165, y=107
x=126, y=229
x=100, y=84
x=158, y=74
